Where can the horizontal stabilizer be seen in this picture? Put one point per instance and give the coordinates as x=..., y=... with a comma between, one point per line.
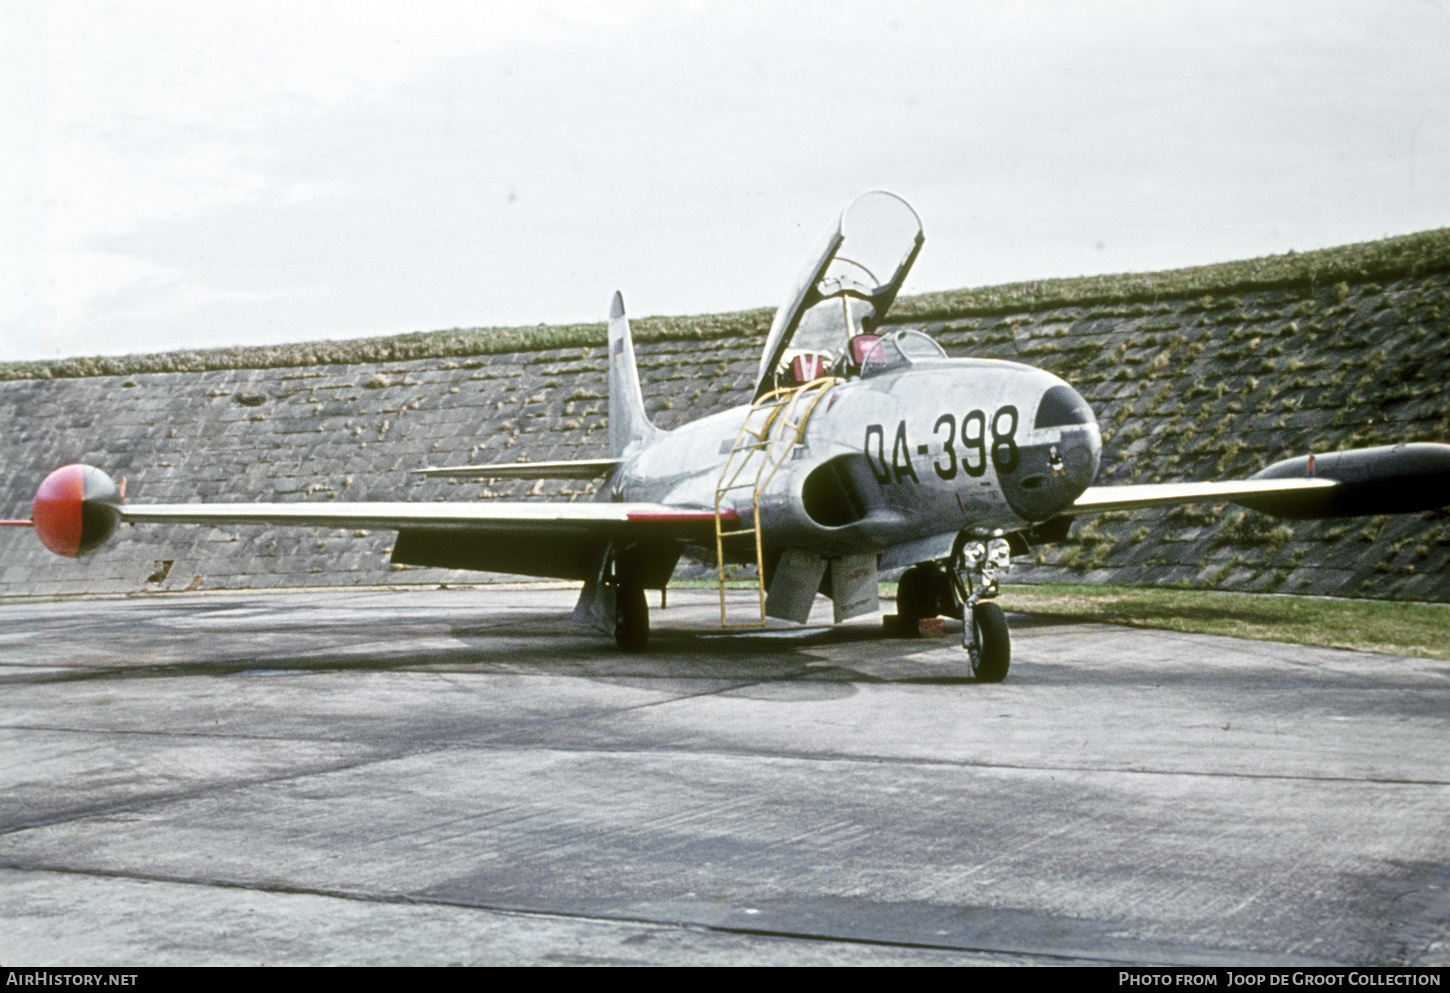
x=1096, y=499
x=572, y=469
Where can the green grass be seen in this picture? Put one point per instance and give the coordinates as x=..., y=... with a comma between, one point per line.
x=1390, y=258
x=1421, y=630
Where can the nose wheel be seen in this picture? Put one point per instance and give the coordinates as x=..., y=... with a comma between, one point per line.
x=988, y=642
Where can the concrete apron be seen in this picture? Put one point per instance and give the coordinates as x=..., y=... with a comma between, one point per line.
x=459, y=776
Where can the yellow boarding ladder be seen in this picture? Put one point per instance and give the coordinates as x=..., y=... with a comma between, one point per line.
x=774, y=425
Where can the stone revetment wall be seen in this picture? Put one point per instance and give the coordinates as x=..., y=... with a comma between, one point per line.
x=1195, y=387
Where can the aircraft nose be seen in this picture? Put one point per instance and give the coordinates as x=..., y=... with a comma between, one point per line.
x=1080, y=450
x=1054, y=470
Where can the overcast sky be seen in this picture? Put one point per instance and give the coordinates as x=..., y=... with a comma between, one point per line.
x=195, y=174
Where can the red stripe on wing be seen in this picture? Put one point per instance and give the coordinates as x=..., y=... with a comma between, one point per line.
x=682, y=517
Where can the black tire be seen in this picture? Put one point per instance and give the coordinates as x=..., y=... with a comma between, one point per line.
x=916, y=597
x=631, y=619
x=994, y=641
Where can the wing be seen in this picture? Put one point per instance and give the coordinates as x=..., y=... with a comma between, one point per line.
x=556, y=540
x=78, y=507
x=1096, y=499
x=602, y=519
x=573, y=469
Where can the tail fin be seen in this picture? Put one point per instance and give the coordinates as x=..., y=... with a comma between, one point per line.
x=628, y=423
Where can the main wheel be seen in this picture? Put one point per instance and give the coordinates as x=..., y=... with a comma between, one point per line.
x=992, y=643
x=916, y=597
x=631, y=619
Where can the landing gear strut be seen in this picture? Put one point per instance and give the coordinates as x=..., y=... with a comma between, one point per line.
x=975, y=568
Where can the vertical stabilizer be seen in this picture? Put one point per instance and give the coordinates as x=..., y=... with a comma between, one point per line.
x=628, y=423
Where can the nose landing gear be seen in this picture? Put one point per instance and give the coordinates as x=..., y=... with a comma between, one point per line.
x=962, y=589
x=975, y=568
x=631, y=618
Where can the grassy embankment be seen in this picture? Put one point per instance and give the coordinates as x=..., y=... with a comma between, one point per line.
x=1421, y=630
x=1388, y=258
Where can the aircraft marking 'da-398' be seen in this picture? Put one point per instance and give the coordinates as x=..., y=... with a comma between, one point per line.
x=863, y=450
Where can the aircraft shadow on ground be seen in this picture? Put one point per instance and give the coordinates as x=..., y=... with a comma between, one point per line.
x=530, y=644
x=542, y=643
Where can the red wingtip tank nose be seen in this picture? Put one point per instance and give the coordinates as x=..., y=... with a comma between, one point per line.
x=74, y=511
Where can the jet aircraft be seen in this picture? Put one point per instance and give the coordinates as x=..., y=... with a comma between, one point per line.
x=864, y=449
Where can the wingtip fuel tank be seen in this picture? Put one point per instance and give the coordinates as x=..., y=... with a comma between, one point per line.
x=75, y=510
x=1390, y=479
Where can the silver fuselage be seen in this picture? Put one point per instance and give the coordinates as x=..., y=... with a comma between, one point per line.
x=934, y=447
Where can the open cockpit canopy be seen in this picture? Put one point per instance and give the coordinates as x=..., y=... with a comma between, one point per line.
x=828, y=324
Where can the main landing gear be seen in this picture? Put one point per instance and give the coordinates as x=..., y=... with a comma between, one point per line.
x=631, y=618
x=924, y=591
x=933, y=589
